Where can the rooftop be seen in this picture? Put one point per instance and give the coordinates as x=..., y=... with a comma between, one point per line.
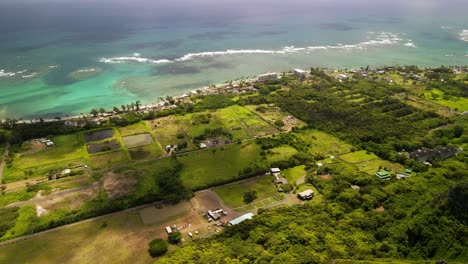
x=241, y=218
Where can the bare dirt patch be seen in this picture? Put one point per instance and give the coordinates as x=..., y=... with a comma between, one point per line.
x=98, y=135
x=105, y=146
x=137, y=140
x=118, y=185
x=72, y=200
x=34, y=147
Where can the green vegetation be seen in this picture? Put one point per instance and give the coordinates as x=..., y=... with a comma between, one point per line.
x=354, y=128
x=232, y=194
x=157, y=247
x=174, y=237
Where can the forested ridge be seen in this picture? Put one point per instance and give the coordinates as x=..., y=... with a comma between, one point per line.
x=422, y=218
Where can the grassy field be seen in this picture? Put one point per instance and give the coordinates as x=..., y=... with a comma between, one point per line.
x=437, y=96
x=233, y=194
x=255, y=125
x=166, y=129
x=211, y=166
x=109, y=159
x=138, y=128
x=358, y=156
x=323, y=143
x=68, y=149
x=372, y=166
x=145, y=152
x=91, y=242
x=293, y=174
x=281, y=153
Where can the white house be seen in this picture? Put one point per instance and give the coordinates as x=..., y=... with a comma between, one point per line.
x=267, y=76
x=306, y=195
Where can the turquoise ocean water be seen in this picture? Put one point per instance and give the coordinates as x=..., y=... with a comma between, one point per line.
x=145, y=50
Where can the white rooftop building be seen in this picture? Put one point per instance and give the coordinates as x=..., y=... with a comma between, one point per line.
x=267, y=76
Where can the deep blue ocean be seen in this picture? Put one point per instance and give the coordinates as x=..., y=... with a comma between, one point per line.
x=65, y=57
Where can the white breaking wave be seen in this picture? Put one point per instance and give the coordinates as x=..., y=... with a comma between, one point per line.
x=464, y=35
x=4, y=73
x=410, y=44
x=29, y=75
x=384, y=38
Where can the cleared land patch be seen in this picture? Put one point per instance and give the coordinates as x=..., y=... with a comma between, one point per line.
x=295, y=173
x=108, y=159
x=137, y=140
x=323, y=143
x=145, y=152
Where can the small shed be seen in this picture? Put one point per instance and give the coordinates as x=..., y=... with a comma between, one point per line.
x=384, y=175
x=49, y=143
x=281, y=180
x=168, y=229
x=306, y=195
x=203, y=145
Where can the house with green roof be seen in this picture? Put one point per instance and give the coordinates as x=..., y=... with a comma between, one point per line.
x=383, y=175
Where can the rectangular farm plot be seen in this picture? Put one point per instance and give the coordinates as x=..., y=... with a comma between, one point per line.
x=323, y=143
x=145, y=152
x=137, y=140
x=104, y=146
x=98, y=135
x=109, y=159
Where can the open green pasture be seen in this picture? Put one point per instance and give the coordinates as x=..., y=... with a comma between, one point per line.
x=166, y=130
x=138, y=128
x=280, y=153
x=372, y=166
x=145, y=152
x=358, y=156
x=233, y=194
x=109, y=159
x=323, y=143
x=452, y=102
x=204, y=168
x=255, y=125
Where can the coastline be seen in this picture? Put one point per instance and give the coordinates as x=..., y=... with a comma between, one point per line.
x=204, y=90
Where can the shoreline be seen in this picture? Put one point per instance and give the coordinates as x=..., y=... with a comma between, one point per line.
x=158, y=104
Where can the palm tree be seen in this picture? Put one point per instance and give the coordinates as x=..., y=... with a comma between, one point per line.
x=137, y=104
x=123, y=108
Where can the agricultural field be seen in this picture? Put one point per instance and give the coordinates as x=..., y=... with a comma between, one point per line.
x=254, y=124
x=369, y=162
x=145, y=152
x=98, y=135
x=233, y=194
x=109, y=159
x=205, y=168
x=67, y=149
x=138, y=128
x=137, y=140
x=323, y=143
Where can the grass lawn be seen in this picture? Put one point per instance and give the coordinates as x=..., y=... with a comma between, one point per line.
x=358, y=156
x=209, y=167
x=293, y=174
x=281, y=153
x=233, y=194
x=109, y=159
x=317, y=196
x=323, y=143
x=90, y=242
x=138, y=128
